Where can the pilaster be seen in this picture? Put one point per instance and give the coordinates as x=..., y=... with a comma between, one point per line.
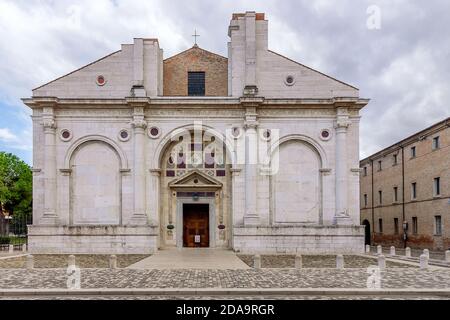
x=341, y=127
x=50, y=215
x=139, y=125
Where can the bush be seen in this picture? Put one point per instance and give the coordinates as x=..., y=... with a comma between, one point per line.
x=4, y=240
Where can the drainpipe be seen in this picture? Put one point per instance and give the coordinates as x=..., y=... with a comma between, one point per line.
x=372, y=203
x=403, y=197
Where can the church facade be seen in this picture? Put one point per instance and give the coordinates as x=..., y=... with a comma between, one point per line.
x=252, y=152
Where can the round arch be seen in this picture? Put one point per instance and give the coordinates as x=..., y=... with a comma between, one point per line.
x=179, y=131
x=303, y=138
x=89, y=138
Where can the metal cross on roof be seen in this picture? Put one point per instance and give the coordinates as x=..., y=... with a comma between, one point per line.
x=195, y=35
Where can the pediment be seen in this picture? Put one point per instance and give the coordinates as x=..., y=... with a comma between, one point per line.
x=195, y=179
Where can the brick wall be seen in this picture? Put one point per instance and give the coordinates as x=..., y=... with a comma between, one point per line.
x=422, y=170
x=177, y=67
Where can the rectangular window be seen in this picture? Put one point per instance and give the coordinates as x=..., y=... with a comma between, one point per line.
x=396, y=225
x=415, y=226
x=395, y=159
x=196, y=83
x=413, y=152
x=438, y=225
x=380, y=197
x=380, y=225
x=365, y=200
x=365, y=171
x=379, y=165
x=395, y=194
x=413, y=190
x=437, y=186
x=436, y=143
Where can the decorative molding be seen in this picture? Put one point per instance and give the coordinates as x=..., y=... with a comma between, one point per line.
x=80, y=141
x=65, y=171
x=139, y=124
x=49, y=123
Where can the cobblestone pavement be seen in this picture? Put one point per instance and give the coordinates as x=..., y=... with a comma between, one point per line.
x=82, y=260
x=317, y=261
x=401, y=278
x=164, y=297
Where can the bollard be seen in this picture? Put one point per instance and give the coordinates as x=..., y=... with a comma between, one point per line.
x=392, y=252
x=339, y=261
x=298, y=261
x=367, y=248
x=113, y=262
x=30, y=262
x=379, y=250
x=408, y=252
x=71, y=260
x=427, y=253
x=257, y=261
x=11, y=248
x=447, y=256
x=24, y=248
x=423, y=261
x=381, y=262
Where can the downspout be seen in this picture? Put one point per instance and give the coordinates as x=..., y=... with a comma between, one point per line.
x=372, y=203
x=403, y=196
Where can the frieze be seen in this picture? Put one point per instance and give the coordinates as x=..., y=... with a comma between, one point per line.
x=296, y=113
x=193, y=112
x=94, y=113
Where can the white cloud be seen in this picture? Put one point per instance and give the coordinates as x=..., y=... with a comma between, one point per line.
x=6, y=135
x=403, y=67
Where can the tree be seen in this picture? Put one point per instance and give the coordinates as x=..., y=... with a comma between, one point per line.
x=16, y=190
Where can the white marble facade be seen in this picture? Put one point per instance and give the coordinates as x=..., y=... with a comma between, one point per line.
x=102, y=152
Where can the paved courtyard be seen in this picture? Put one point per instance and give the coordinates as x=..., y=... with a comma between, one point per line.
x=187, y=258
x=205, y=271
x=245, y=278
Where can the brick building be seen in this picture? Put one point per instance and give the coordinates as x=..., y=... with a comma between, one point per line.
x=405, y=191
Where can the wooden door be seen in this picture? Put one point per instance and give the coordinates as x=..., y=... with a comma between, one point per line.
x=196, y=225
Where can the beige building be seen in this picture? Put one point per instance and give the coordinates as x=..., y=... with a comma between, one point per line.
x=253, y=152
x=405, y=191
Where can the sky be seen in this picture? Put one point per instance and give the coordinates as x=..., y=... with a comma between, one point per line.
x=397, y=52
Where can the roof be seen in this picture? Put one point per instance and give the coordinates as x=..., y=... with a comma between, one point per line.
x=410, y=139
x=85, y=66
x=195, y=47
x=330, y=77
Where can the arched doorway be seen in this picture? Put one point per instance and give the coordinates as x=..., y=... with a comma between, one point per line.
x=195, y=191
x=366, y=223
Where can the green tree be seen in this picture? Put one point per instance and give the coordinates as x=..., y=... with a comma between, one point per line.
x=16, y=183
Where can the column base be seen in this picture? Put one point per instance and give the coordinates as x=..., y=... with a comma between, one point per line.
x=49, y=218
x=251, y=220
x=342, y=220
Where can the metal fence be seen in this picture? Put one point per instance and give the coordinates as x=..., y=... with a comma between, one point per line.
x=13, y=231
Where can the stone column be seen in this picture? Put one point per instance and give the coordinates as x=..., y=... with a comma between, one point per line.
x=50, y=216
x=153, y=195
x=251, y=216
x=139, y=125
x=342, y=123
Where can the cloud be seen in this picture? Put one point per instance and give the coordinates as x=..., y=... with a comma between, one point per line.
x=403, y=67
x=6, y=135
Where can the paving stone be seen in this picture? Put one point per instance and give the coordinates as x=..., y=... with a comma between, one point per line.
x=399, y=278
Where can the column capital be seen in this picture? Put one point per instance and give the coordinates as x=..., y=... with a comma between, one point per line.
x=251, y=124
x=341, y=125
x=49, y=124
x=139, y=124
